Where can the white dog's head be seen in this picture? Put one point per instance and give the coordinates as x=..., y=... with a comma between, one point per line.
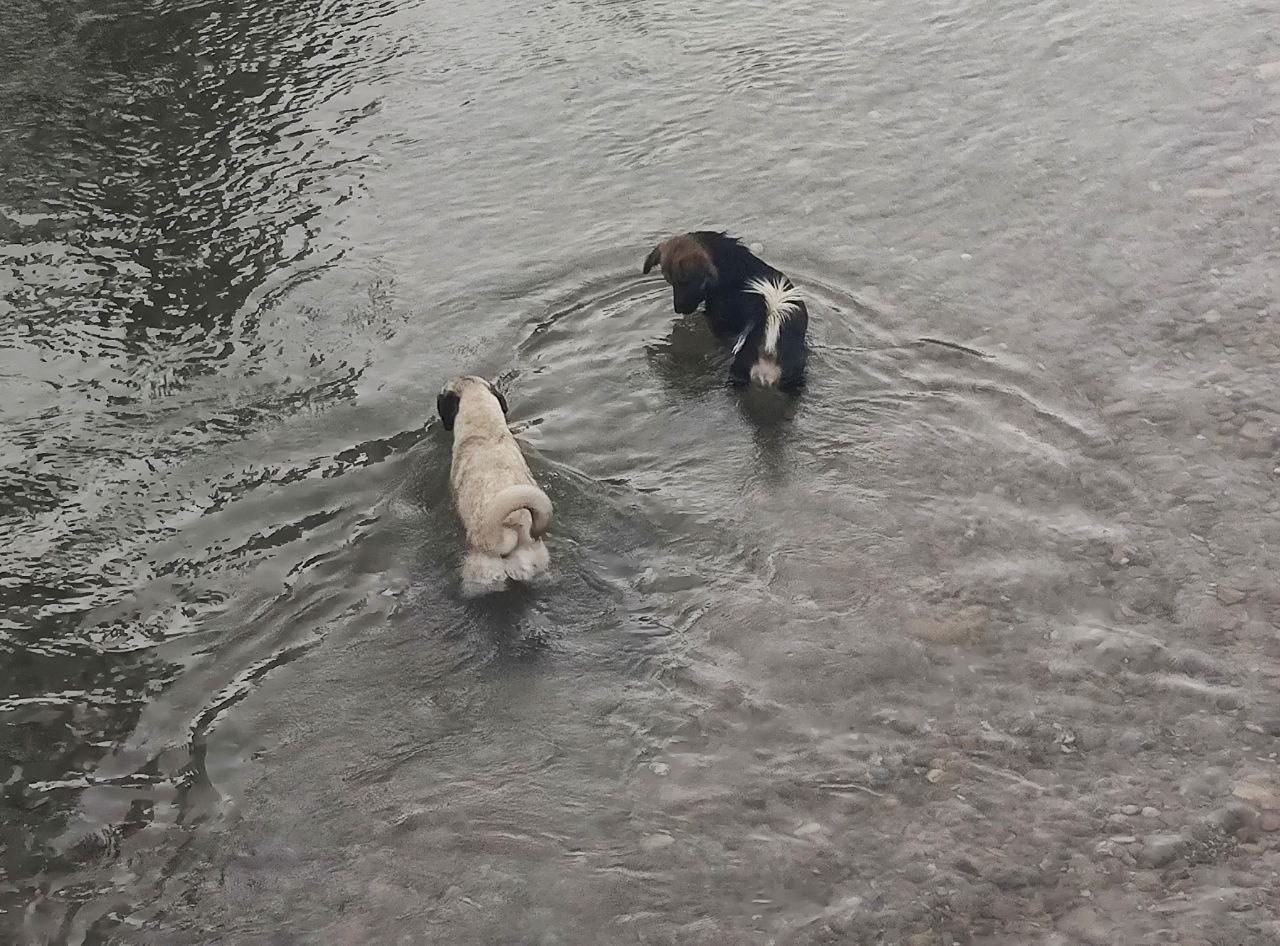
x=450, y=398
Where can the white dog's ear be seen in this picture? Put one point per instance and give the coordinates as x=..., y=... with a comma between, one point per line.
x=447, y=406
x=502, y=401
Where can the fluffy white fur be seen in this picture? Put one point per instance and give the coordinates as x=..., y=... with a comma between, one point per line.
x=779, y=304
x=503, y=510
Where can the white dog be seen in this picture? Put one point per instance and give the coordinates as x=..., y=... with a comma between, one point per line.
x=504, y=512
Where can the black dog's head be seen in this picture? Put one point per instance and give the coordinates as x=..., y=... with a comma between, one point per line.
x=450, y=398
x=688, y=267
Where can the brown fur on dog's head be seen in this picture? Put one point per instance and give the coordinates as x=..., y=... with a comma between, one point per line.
x=688, y=267
x=450, y=397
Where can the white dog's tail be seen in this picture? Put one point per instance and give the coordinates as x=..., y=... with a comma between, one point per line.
x=502, y=539
x=780, y=302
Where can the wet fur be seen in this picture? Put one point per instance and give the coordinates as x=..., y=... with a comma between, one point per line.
x=746, y=301
x=501, y=507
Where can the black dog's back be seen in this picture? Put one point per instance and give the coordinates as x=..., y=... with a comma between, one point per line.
x=730, y=308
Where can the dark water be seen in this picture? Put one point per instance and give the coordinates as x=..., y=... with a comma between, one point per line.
x=971, y=645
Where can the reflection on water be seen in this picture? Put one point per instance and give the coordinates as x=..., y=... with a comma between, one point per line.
x=972, y=642
x=168, y=180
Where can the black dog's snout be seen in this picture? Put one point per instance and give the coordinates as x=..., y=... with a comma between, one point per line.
x=687, y=299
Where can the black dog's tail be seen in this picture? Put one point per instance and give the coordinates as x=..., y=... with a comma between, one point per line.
x=781, y=302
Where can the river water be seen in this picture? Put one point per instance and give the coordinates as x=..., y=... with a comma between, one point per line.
x=976, y=642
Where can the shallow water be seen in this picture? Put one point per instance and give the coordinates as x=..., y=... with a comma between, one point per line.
x=976, y=642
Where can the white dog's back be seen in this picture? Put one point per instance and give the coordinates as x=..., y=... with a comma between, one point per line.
x=502, y=508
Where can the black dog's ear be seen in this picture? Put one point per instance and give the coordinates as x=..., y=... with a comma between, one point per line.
x=652, y=259
x=447, y=405
x=502, y=401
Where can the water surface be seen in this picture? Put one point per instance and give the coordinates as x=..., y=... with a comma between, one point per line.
x=976, y=642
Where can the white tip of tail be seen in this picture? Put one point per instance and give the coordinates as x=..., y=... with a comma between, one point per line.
x=780, y=304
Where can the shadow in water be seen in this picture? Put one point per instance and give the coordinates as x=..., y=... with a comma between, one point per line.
x=770, y=415
x=690, y=361
x=693, y=365
x=512, y=621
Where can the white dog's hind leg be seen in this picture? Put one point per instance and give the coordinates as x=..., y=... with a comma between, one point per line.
x=528, y=561
x=482, y=573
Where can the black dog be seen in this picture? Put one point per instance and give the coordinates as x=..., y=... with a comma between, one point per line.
x=746, y=300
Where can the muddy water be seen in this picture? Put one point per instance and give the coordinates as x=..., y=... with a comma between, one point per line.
x=975, y=643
